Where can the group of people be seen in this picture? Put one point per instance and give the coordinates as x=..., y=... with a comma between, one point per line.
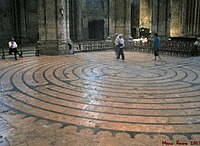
x=119, y=46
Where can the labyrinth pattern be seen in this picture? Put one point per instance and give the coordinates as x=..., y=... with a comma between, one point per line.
x=97, y=91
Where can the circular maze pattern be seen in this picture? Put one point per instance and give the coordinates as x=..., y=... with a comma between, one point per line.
x=98, y=92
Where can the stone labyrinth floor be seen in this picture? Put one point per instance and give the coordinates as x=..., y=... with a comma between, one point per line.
x=94, y=99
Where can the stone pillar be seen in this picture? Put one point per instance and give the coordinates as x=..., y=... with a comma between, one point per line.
x=106, y=18
x=175, y=29
x=41, y=21
x=53, y=23
x=195, y=17
x=120, y=17
x=160, y=13
x=127, y=29
x=112, y=19
x=154, y=16
x=183, y=18
x=135, y=18
x=168, y=18
x=23, y=30
x=62, y=35
x=163, y=16
x=192, y=17
x=15, y=22
x=67, y=19
x=79, y=20
x=198, y=18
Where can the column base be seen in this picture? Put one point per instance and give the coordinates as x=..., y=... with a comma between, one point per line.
x=53, y=47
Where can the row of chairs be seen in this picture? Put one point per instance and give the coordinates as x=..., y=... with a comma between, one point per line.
x=93, y=46
x=178, y=48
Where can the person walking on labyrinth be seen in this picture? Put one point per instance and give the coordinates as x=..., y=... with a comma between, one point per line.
x=13, y=48
x=121, y=47
x=156, y=46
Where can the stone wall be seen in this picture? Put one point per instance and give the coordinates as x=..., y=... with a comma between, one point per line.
x=19, y=20
x=94, y=19
x=176, y=17
x=28, y=24
x=6, y=22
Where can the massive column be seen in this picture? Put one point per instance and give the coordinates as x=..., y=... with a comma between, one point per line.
x=154, y=15
x=183, y=21
x=79, y=20
x=53, y=23
x=185, y=17
x=135, y=18
x=193, y=17
x=160, y=13
x=163, y=18
x=107, y=18
x=23, y=30
x=120, y=17
x=112, y=29
x=176, y=17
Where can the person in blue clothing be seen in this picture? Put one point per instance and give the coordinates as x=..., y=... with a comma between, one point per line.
x=156, y=46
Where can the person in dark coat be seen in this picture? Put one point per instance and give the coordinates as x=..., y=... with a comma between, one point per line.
x=156, y=46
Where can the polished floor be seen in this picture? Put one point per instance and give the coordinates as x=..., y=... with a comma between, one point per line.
x=92, y=99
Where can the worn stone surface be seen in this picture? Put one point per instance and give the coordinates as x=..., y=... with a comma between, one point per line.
x=53, y=24
x=92, y=99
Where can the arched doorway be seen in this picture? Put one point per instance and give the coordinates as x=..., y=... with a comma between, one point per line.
x=88, y=20
x=95, y=29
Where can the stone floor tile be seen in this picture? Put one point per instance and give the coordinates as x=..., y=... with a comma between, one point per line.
x=70, y=129
x=196, y=137
x=39, y=142
x=86, y=132
x=162, y=140
x=92, y=99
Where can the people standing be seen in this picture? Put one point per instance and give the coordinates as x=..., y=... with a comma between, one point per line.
x=197, y=43
x=156, y=46
x=13, y=48
x=121, y=47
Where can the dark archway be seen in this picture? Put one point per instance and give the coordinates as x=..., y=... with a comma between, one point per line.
x=96, y=28
x=135, y=18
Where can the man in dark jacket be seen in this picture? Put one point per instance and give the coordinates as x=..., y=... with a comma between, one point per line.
x=156, y=46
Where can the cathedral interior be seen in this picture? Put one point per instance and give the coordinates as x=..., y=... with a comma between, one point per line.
x=74, y=92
